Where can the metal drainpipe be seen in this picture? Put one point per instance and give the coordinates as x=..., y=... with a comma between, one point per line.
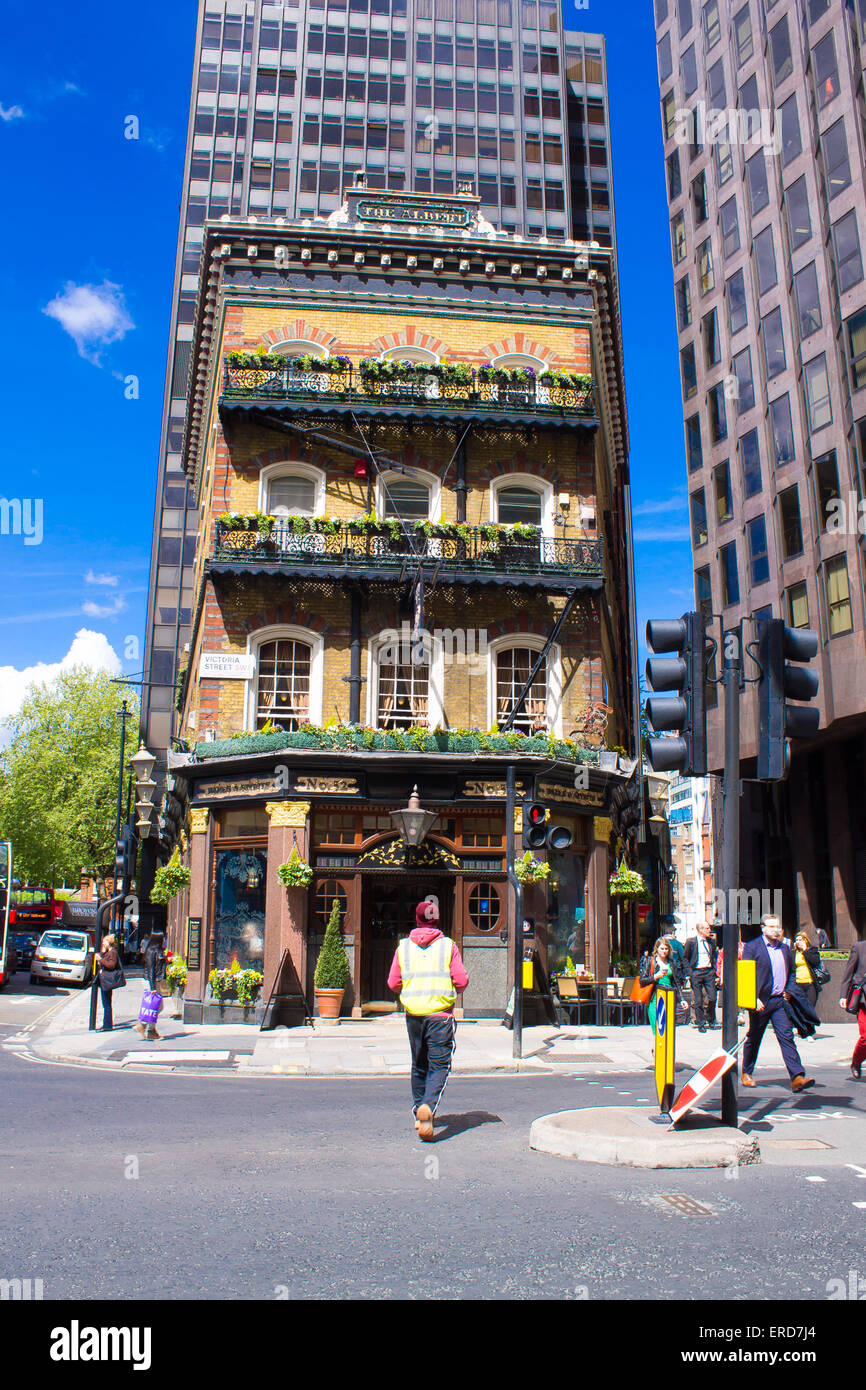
x=460, y=484
x=355, y=659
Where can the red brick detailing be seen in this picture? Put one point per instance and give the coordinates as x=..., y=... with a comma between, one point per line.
x=283, y=615
x=302, y=330
x=519, y=343
x=410, y=336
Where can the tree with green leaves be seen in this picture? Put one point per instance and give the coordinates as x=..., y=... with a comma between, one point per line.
x=59, y=773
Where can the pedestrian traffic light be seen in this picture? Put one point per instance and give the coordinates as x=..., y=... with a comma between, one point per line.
x=684, y=712
x=539, y=832
x=124, y=855
x=777, y=720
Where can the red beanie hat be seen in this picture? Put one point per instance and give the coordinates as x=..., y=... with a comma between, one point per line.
x=427, y=914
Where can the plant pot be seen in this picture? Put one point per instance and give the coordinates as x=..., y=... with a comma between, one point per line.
x=329, y=1002
x=607, y=761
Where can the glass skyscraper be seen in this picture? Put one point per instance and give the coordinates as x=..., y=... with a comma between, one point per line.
x=290, y=101
x=761, y=106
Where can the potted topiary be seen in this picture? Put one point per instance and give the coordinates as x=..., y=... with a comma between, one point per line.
x=332, y=970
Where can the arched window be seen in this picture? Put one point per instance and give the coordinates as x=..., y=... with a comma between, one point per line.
x=522, y=498
x=411, y=496
x=406, y=499
x=291, y=495
x=288, y=490
x=519, y=505
x=287, y=685
x=298, y=347
x=512, y=661
x=403, y=692
x=408, y=354
x=513, y=667
x=283, y=684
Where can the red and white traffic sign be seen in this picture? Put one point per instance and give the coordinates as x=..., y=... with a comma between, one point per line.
x=698, y=1085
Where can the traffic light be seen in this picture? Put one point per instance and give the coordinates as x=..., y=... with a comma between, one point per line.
x=777, y=720
x=124, y=855
x=684, y=712
x=539, y=833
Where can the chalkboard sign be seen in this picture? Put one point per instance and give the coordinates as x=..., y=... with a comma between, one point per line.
x=193, y=943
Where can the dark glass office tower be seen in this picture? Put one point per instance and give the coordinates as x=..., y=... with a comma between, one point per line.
x=289, y=101
x=762, y=121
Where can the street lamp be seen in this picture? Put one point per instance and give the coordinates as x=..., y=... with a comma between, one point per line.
x=413, y=822
x=144, y=763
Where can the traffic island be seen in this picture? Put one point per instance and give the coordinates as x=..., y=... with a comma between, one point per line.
x=628, y=1137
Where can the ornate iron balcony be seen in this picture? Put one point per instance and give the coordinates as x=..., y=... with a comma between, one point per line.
x=474, y=552
x=267, y=387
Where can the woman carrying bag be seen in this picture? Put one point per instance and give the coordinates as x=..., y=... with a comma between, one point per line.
x=111, y=977
x=658, y=971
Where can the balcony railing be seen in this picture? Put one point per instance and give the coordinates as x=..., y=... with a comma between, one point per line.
x=473, y=552
x=350, y=388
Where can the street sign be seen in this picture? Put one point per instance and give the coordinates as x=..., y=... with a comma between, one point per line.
x=698, y=1085
x=665, y=1033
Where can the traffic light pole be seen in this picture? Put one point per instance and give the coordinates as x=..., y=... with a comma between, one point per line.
x=731, y=669
x=517, y=1016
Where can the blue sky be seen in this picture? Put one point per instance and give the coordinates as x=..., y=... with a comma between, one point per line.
x=88, y=237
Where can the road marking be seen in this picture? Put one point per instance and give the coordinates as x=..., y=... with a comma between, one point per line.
x=861, y=1172
x=815, y=1179
x=860, y=1205
x=623, y=1093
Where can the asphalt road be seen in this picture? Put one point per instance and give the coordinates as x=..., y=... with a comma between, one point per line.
x=119, y=1186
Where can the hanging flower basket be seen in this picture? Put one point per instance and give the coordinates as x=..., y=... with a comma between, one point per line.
x=529, y=870
x=628, y=883
x=296, y=872
x=169, y=880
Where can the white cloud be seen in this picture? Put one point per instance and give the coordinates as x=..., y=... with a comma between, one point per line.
x=93, y=315
x=664, y=533
x=10, y=113
x=88, y=649
x=654, y=506
x=104, y=610
x=109, y=580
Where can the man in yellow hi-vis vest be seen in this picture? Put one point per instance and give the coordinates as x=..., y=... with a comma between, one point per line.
x=428, y=974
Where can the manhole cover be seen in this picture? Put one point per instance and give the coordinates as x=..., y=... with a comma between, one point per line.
x=795, y=1144
x=685, y=1204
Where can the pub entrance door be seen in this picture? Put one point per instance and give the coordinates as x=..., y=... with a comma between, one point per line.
x=387, y=914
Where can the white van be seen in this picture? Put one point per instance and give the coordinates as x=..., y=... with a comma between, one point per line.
x=60, y=956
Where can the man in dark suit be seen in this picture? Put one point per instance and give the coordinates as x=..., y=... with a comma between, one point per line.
x=775, y=976
x=699, y=960
x=856, y=965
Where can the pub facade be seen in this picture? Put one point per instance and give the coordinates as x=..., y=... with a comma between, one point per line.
x=406, y=432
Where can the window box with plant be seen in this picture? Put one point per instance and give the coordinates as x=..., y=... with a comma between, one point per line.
x=170, y=879
x=176, y=974
x=332, y=969
x=235, y=985
x=296, y=872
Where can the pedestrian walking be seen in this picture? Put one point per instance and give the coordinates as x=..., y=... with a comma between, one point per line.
x=154, y=971
x=659, y=970
x=699, y=958
x=824, y=942
x=775, y=978
x=854, y=975
x=807, y=960
x=111, y=977
x=428, y=974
